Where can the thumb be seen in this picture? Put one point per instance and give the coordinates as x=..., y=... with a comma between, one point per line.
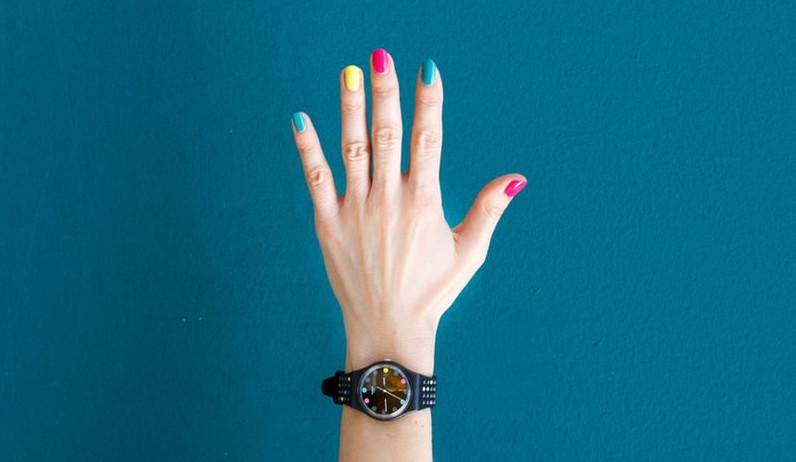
x=475, y=231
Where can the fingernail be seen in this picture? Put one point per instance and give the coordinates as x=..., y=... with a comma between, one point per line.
x=352, y=77
x=298, y=122
x=379, y=57
x=515, y=187
x=428, y=72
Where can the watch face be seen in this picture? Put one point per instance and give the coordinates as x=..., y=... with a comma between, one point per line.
x=384, y=391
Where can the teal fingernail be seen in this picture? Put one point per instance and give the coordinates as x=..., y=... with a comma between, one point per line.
x=429, y=72
x=298, y=122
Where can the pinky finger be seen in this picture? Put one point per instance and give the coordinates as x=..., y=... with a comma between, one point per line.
x=316, y=169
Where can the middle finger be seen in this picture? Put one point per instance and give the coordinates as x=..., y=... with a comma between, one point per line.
x=386, y=123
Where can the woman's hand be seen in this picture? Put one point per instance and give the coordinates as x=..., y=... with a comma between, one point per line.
x=393, y=261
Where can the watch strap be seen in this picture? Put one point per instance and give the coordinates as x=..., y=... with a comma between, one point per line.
x=338, y=387
x=426, y=392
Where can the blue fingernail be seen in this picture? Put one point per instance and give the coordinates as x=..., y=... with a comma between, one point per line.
x=429, y=72
x=298, y=122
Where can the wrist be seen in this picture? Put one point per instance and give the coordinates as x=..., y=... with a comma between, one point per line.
x=408, y=343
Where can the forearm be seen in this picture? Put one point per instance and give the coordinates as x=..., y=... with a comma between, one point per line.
x=407, y=438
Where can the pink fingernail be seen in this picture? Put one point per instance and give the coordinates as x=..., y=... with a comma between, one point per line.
x=515, y=187
x=379, y=57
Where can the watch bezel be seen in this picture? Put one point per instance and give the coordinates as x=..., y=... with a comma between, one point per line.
x=401, y=410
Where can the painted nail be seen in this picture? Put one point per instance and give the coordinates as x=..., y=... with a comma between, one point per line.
x=352, y=77
x=428, y=72
x=298, y=122
x=379, y=57
x=515, y=187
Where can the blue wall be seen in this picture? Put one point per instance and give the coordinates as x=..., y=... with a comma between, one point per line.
x=161, y=292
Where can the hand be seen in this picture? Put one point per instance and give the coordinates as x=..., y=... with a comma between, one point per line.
x=393, y=261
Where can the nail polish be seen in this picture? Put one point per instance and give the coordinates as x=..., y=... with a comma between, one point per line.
x=515, y=187
x=379, y=57
x=428, y=72
x=352, y=77
x=298, y=122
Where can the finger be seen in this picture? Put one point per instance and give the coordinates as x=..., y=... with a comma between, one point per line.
x=316, y=170
x=475, y=231
x=387, y=130
x=356, y=152
x=426, y=145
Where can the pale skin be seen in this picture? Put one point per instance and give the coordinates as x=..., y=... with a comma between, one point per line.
x=394, y=263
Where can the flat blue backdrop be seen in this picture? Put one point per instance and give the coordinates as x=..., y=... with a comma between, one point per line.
x=163, y=298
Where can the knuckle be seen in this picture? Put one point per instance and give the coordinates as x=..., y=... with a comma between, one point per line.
x=379, y=217
x=425, y=196
x=381, y=207
x=305, y=147
x=355, y=151
x=384, y=91
x=427, y=141
x=429, y=100
x=316, y=176
x=387, y=137
x=492, y=210
x=352, y=107
x=325, y=231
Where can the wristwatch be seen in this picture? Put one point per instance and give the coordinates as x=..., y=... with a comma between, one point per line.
x=385, y=390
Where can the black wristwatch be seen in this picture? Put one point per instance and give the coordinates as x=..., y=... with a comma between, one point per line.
x=385, y=390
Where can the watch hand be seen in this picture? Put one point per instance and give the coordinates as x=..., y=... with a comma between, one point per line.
x=385, y=391
x=385, y=404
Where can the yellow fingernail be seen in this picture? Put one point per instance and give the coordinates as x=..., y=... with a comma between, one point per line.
x=352, y=76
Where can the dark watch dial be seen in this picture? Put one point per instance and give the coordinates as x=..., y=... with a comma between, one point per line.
x=384, y=391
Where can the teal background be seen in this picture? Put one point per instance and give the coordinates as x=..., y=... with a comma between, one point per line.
x=163, y=298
